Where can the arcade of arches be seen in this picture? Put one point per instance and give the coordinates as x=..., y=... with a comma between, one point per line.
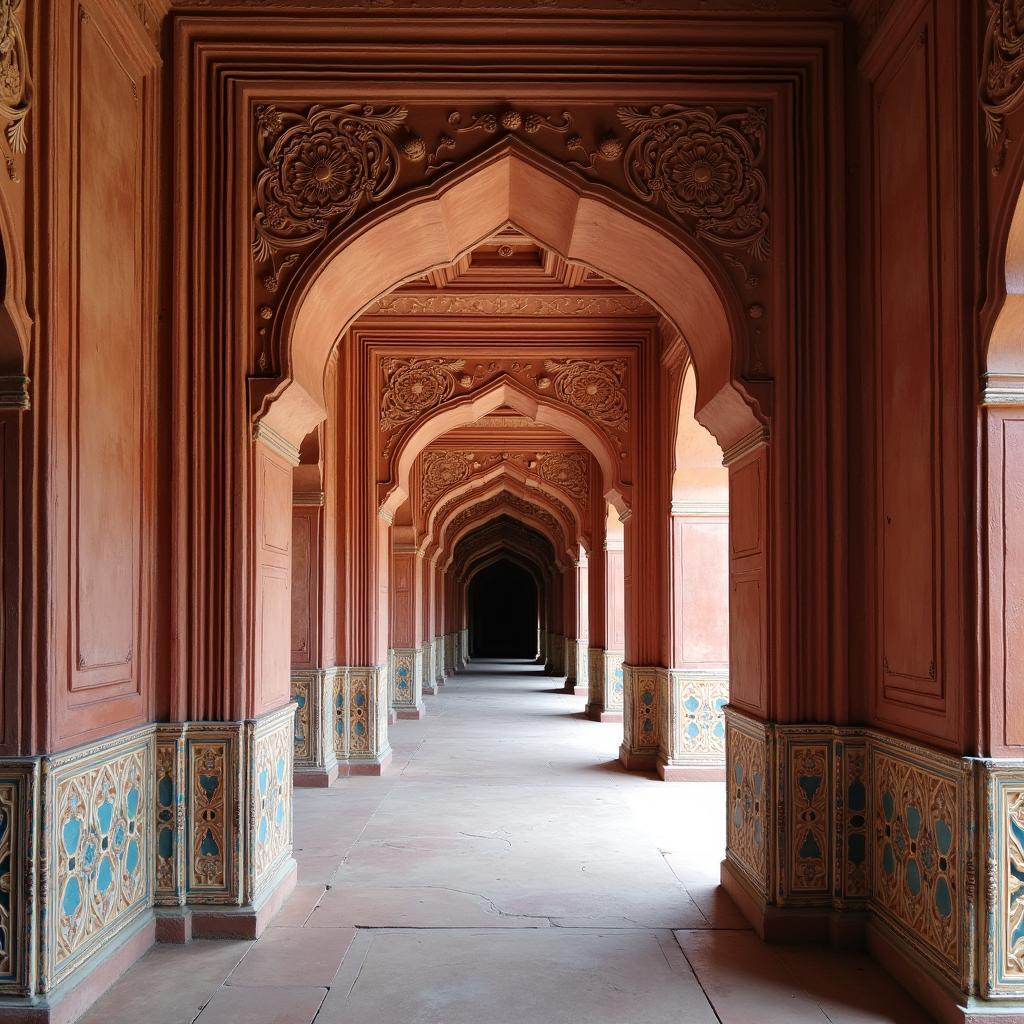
x=668, y=349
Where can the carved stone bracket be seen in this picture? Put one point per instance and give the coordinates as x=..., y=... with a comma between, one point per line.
x=15, y=82
x=1002, y=69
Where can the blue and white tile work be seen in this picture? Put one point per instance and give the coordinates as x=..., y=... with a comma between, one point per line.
x=1003, y=835
x=169, y=814
x=406, y=680
x=18, y=821
x=270, y=784
x=923, y=864
x=748, y=827
x=98, y=837
x=360, y=715
x=318, y=697
x=694, y=736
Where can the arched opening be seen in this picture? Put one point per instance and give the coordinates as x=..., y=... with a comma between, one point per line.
x=502, y=601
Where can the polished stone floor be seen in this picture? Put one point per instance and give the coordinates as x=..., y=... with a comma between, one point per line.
x=506, y=871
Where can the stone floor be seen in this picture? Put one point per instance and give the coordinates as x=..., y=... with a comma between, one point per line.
x=506, y=871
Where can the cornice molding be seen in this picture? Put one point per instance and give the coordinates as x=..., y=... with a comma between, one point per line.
x=308, y=499
x=14, y=392
x=1002, y=389
x=275, y=442
x=700, y=508
x=745, y=445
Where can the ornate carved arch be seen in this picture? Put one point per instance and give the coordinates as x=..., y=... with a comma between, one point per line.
x=434, y=225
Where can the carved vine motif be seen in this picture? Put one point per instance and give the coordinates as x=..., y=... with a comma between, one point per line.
x=567, y=470
x=705, y=169
x=1002, y=67
x=594, y=386
x=318, y=169
x=506, y=304
x=15, y=84
x=414, y=386
x=444, y=470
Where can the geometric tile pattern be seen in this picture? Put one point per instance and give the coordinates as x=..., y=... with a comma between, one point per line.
x=169, y=816
x=918, y=857
x=18, y=819
x=98, y=848
x=270, y=832
x=695, y=733
x=747, y=832
x=644, y=692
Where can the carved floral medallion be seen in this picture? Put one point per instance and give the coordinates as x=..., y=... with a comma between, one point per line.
x=1002, y=66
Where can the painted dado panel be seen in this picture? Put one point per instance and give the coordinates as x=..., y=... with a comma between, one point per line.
x=271, y=664
x=917, y=448
x=748, y=623
x=104, y=431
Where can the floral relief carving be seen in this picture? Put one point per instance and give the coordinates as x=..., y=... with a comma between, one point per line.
x=567, y=470
x=704, y=169
x=444, y=470
x=412, y=387
x=318, y=169
x=15, y=84
x=1002, y=66
x=593, y=386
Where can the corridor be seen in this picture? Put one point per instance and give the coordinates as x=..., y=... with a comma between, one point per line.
x=507, y=871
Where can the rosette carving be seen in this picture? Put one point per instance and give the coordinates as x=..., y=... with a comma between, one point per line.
x=567, y=470
x=704, y=169
x=444, y=470
x=593, y=386
x=1002, y=66
x=15, y=84
x=319, y=168
x=413, y=387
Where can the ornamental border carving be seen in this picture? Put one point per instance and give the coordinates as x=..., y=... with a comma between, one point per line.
x=15, y=81
x=1002, y=70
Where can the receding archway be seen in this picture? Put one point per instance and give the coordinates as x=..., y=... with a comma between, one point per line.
x=502, y=603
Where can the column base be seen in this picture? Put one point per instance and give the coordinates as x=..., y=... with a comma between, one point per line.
x=180, y=925
x=315, y=778
x=581, y=691
x=599, y=714
x=70, y=1000
x=691, y=772
x=429, y=691
x=412, y=714
x=637, y=761
x=392, y=716
x=348, y=769
x=571, y=687
x=439, y=682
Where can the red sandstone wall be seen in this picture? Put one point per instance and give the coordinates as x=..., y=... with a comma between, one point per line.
x=96, y=383
x=912, y=512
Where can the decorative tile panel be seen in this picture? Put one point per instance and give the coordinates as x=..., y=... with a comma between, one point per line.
x=302, y=686
x=694, y=724
x=214, y=827
x=1003, y=789
x=98, y=830
x=615, y=685
x=18, y=820
x=406, y=682
x=808, y=804
x=340, y=717
x=270, y=787
x=920, y=858
x=361, y=714
x=645, y=693
x=852, y=822
x=747, y=820
x=169, y=815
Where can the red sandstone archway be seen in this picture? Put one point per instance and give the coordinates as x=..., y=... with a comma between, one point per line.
x=435, y=226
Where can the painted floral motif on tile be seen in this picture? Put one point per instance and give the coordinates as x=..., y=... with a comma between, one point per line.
x=852, y=769
x=1014, y=884
x=272, y=795
x=340, y=730
x=15, y=818
x=99, y=853
x=169, y=819
x=917, y=870
x=403, y=692
x=746, y=838
x=809, y=803
x=645, y=691
x=700, y=722
x=301, y=700
x=360, y=709
x=208, y=813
